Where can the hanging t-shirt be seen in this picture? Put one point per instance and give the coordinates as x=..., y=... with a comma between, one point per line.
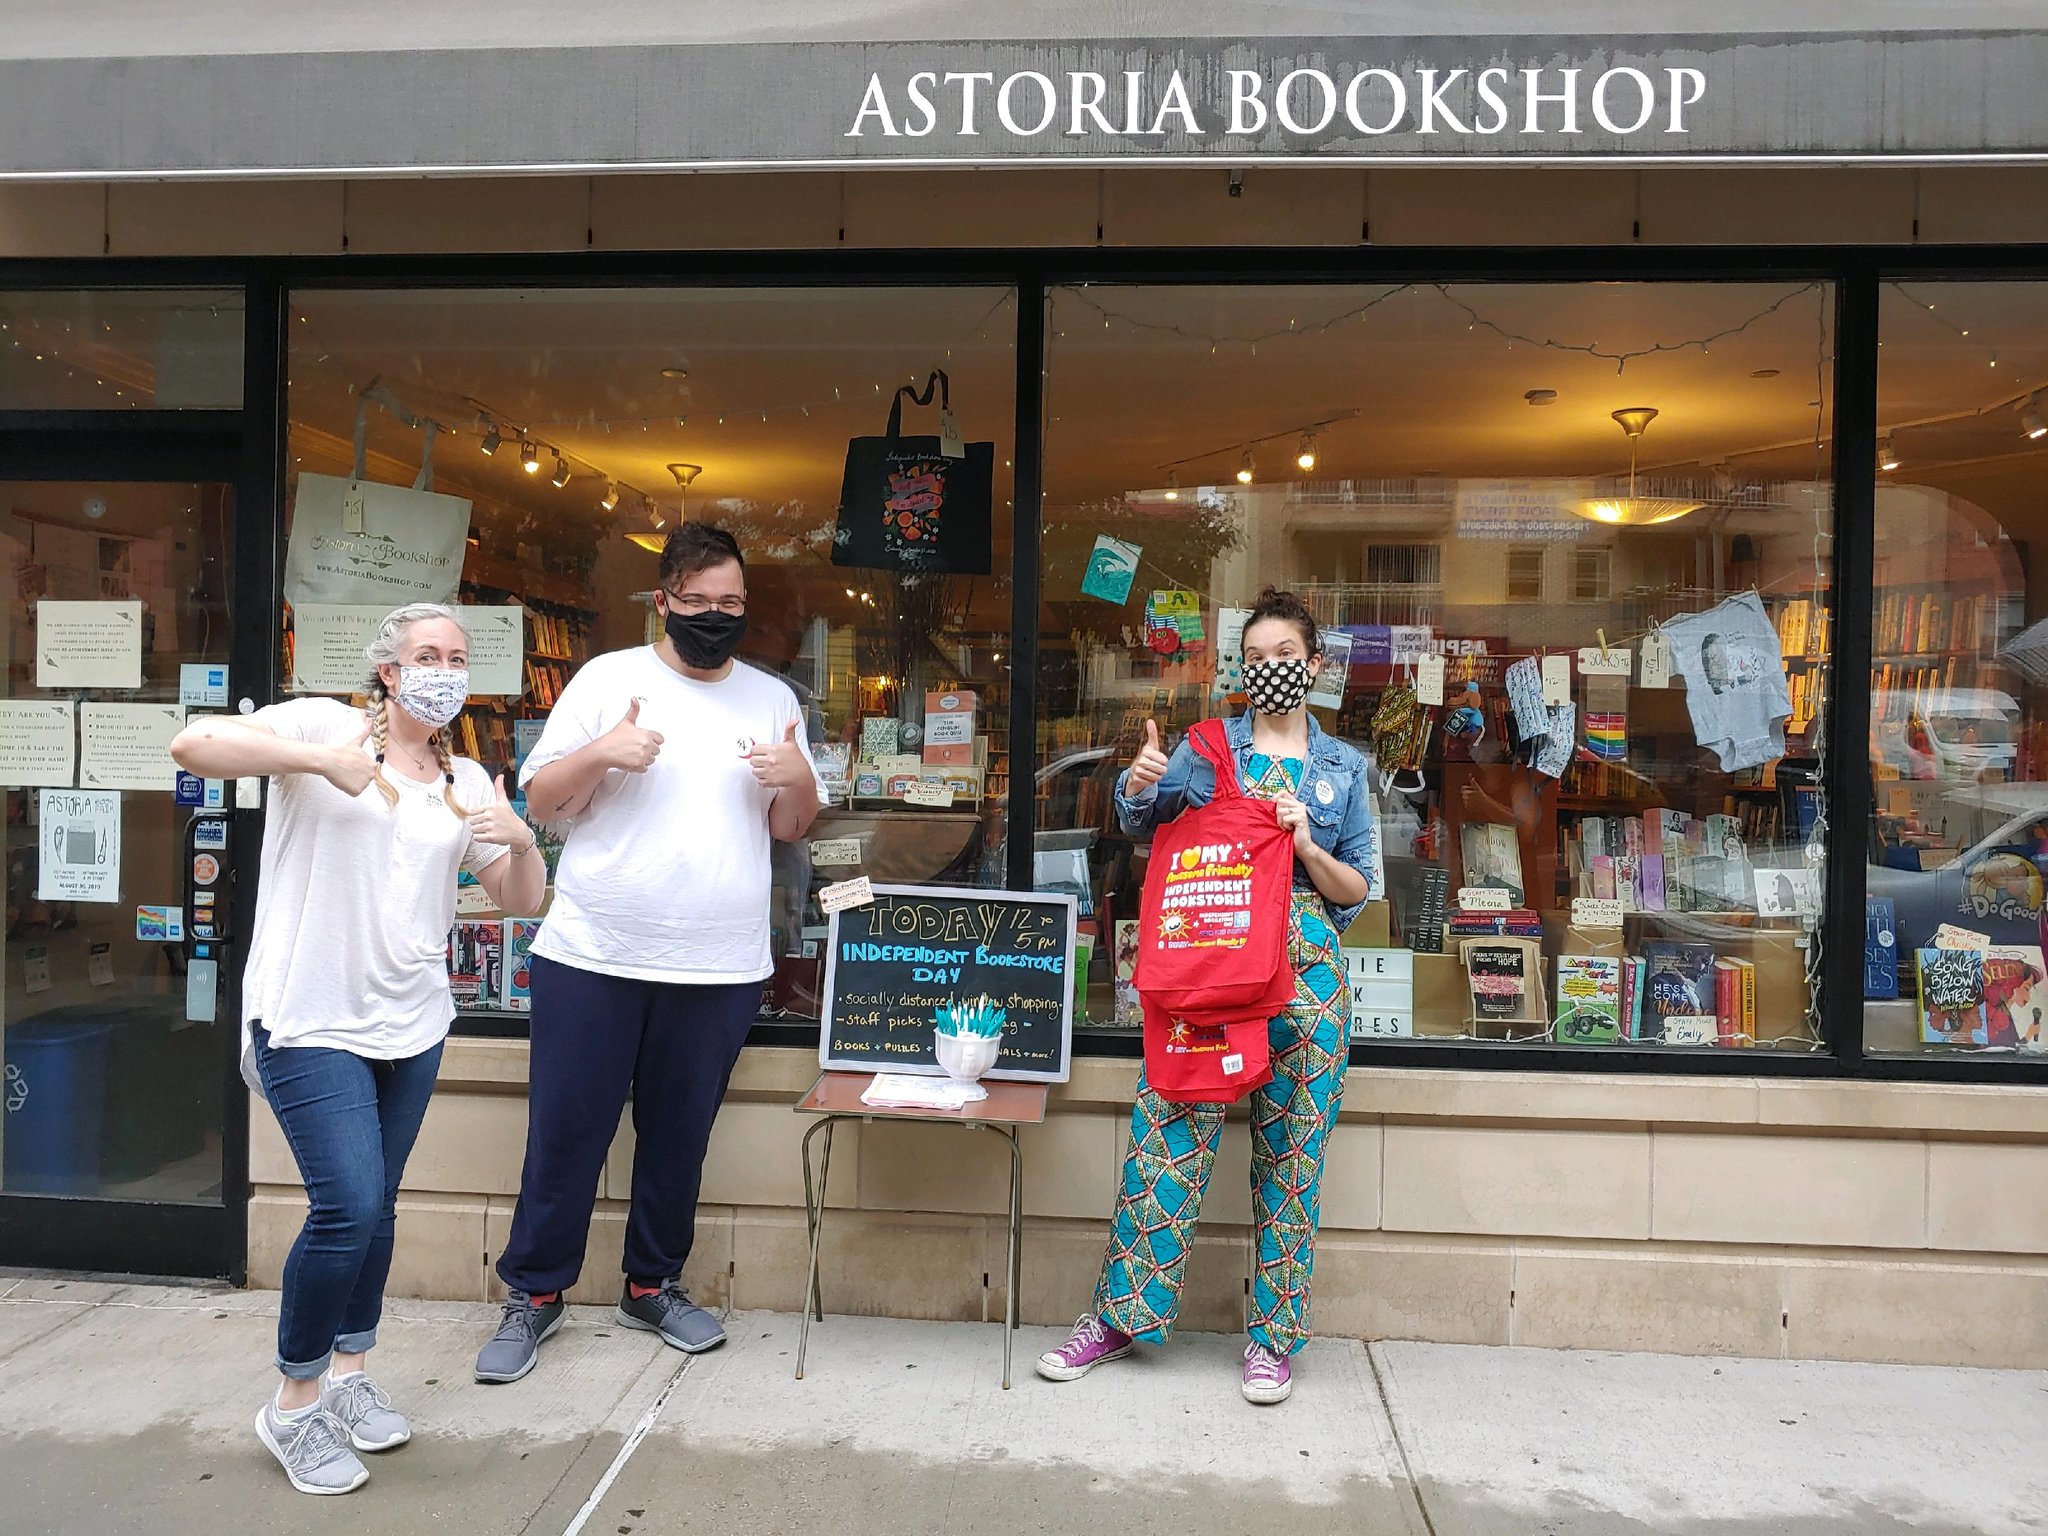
x=350, y=948
x=665, y=874
x=1734, y=681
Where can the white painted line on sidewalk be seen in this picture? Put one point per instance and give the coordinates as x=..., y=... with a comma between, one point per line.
x=611, y=1473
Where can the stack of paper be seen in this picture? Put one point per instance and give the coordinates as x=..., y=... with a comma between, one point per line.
x=894, y=1090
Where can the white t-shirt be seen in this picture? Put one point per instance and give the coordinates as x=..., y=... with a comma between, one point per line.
x=665, y=874
x=350, y=949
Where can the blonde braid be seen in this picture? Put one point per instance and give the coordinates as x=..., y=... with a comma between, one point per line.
x=379, y=731
x=446, y=758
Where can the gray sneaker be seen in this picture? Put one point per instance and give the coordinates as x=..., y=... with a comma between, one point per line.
x=360, y=1407
x=669, y=1312
x=513, y=1348
x=313, y=1450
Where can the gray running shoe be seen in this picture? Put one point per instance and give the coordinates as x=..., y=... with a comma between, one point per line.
x=361, y=1408
x=313, y=1450
x=669, y=1312
x=513, y=1348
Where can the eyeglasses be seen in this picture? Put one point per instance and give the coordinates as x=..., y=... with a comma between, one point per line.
x=692, y=603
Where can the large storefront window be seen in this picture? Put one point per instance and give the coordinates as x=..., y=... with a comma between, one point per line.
x=564, y=432
x=1959, y=673
x=1570, y=549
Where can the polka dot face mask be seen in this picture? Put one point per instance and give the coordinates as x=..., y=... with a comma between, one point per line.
x=1276, y=687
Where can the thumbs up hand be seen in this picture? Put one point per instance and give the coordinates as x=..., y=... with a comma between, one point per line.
x=347, y=766
x=780, y=764
x=1149, y=766
x=629, y=745
x=498, y=822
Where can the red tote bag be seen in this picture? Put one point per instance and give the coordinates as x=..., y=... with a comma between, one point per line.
x=1212, y=939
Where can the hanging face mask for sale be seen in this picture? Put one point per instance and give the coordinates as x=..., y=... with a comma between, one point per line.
x=708, y=639
x=1276, y=687
x=433, y=695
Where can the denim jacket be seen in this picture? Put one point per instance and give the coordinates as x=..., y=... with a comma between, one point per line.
x=1340, y=823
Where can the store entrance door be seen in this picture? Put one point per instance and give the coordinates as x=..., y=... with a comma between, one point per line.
x=116, y=1152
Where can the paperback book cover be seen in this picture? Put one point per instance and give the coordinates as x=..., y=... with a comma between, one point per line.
x=519, y=936
x=1493, y=857
x=1679, y=986
x=2015, y=998
x=476, y=958
x=1589, y=999
x=1505, y=977
x=1880, y=948
x=1951, y=996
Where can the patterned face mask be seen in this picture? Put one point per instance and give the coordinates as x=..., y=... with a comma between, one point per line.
x=433, y=695
x=1276, y=687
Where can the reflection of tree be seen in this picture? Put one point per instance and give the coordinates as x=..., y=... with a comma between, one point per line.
x=1181, y=541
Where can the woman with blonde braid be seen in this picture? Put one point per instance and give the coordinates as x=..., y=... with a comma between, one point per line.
x=345, y=998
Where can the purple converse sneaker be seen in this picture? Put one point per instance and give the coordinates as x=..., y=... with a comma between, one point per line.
x=1266, y=1376
x=1091, y=1343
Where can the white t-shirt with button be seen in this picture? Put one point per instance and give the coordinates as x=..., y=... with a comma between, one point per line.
x=665, y=875
x=350, y=948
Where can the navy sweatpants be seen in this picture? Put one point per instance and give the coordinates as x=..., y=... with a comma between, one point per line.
x=595, y=1039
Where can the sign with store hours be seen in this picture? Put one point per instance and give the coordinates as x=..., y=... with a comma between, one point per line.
x=892, y=964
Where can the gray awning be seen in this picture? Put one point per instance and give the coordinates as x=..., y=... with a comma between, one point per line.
x=253, y=88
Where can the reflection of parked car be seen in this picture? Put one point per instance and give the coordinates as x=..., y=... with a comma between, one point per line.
x=1944, y=733
x=1995, y=885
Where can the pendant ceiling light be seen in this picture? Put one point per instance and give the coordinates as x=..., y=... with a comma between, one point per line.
x=1633, y=511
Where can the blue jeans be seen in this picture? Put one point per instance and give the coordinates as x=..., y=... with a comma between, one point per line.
x=351, y=1123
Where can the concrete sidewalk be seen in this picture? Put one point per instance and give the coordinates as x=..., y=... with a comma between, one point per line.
x=128, y=1408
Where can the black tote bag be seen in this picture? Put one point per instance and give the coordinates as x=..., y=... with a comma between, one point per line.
x=905, y=506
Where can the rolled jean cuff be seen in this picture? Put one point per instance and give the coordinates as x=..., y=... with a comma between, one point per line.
x=355, y=1343
x=309, y=1370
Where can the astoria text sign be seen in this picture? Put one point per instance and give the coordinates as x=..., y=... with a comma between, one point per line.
x=366, y=102
x=1305, y=104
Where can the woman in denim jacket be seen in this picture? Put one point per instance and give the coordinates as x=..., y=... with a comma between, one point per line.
x=1318, y=788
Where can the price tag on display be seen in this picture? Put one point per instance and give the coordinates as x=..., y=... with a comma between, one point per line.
x=1595, y=912
x=352, y=509
x=1429, y=680
x=950, y=445
x=1557, y=679
x=835, y=850
x=1483, y=898
x=1594, y=662
x=1656, y=661
x=847, y=893
x=938, y=796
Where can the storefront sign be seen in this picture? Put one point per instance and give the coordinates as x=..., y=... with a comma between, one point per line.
x=893, y=964
x=428, y=97
x=38, y=743
x=128, y=746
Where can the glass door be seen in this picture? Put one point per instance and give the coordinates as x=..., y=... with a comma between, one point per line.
x=118, y=1034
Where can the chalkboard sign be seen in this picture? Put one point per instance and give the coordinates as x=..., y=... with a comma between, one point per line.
x=916, y=948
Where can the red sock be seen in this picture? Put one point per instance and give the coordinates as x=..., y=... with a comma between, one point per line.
x=642, y=1292
x=540, y=1300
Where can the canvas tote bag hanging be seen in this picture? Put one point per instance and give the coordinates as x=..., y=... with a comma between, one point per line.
x=1212, y=939
x=357, y=541
x=916, y=504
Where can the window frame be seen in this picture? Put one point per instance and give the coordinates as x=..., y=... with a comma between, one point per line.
x=1857, y=275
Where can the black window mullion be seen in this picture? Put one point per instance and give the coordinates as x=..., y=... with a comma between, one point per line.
x=1848, y=787
x=1026, y=533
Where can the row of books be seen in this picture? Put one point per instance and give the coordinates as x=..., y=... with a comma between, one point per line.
x=1914, y=623
x=1993, y=997
x=1805, y=688
x=553, y=635
x=1805, y=629
x=545, y=682
x=1672, y=994
x=1662, y=861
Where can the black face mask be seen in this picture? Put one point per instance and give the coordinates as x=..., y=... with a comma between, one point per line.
x=708, y=639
